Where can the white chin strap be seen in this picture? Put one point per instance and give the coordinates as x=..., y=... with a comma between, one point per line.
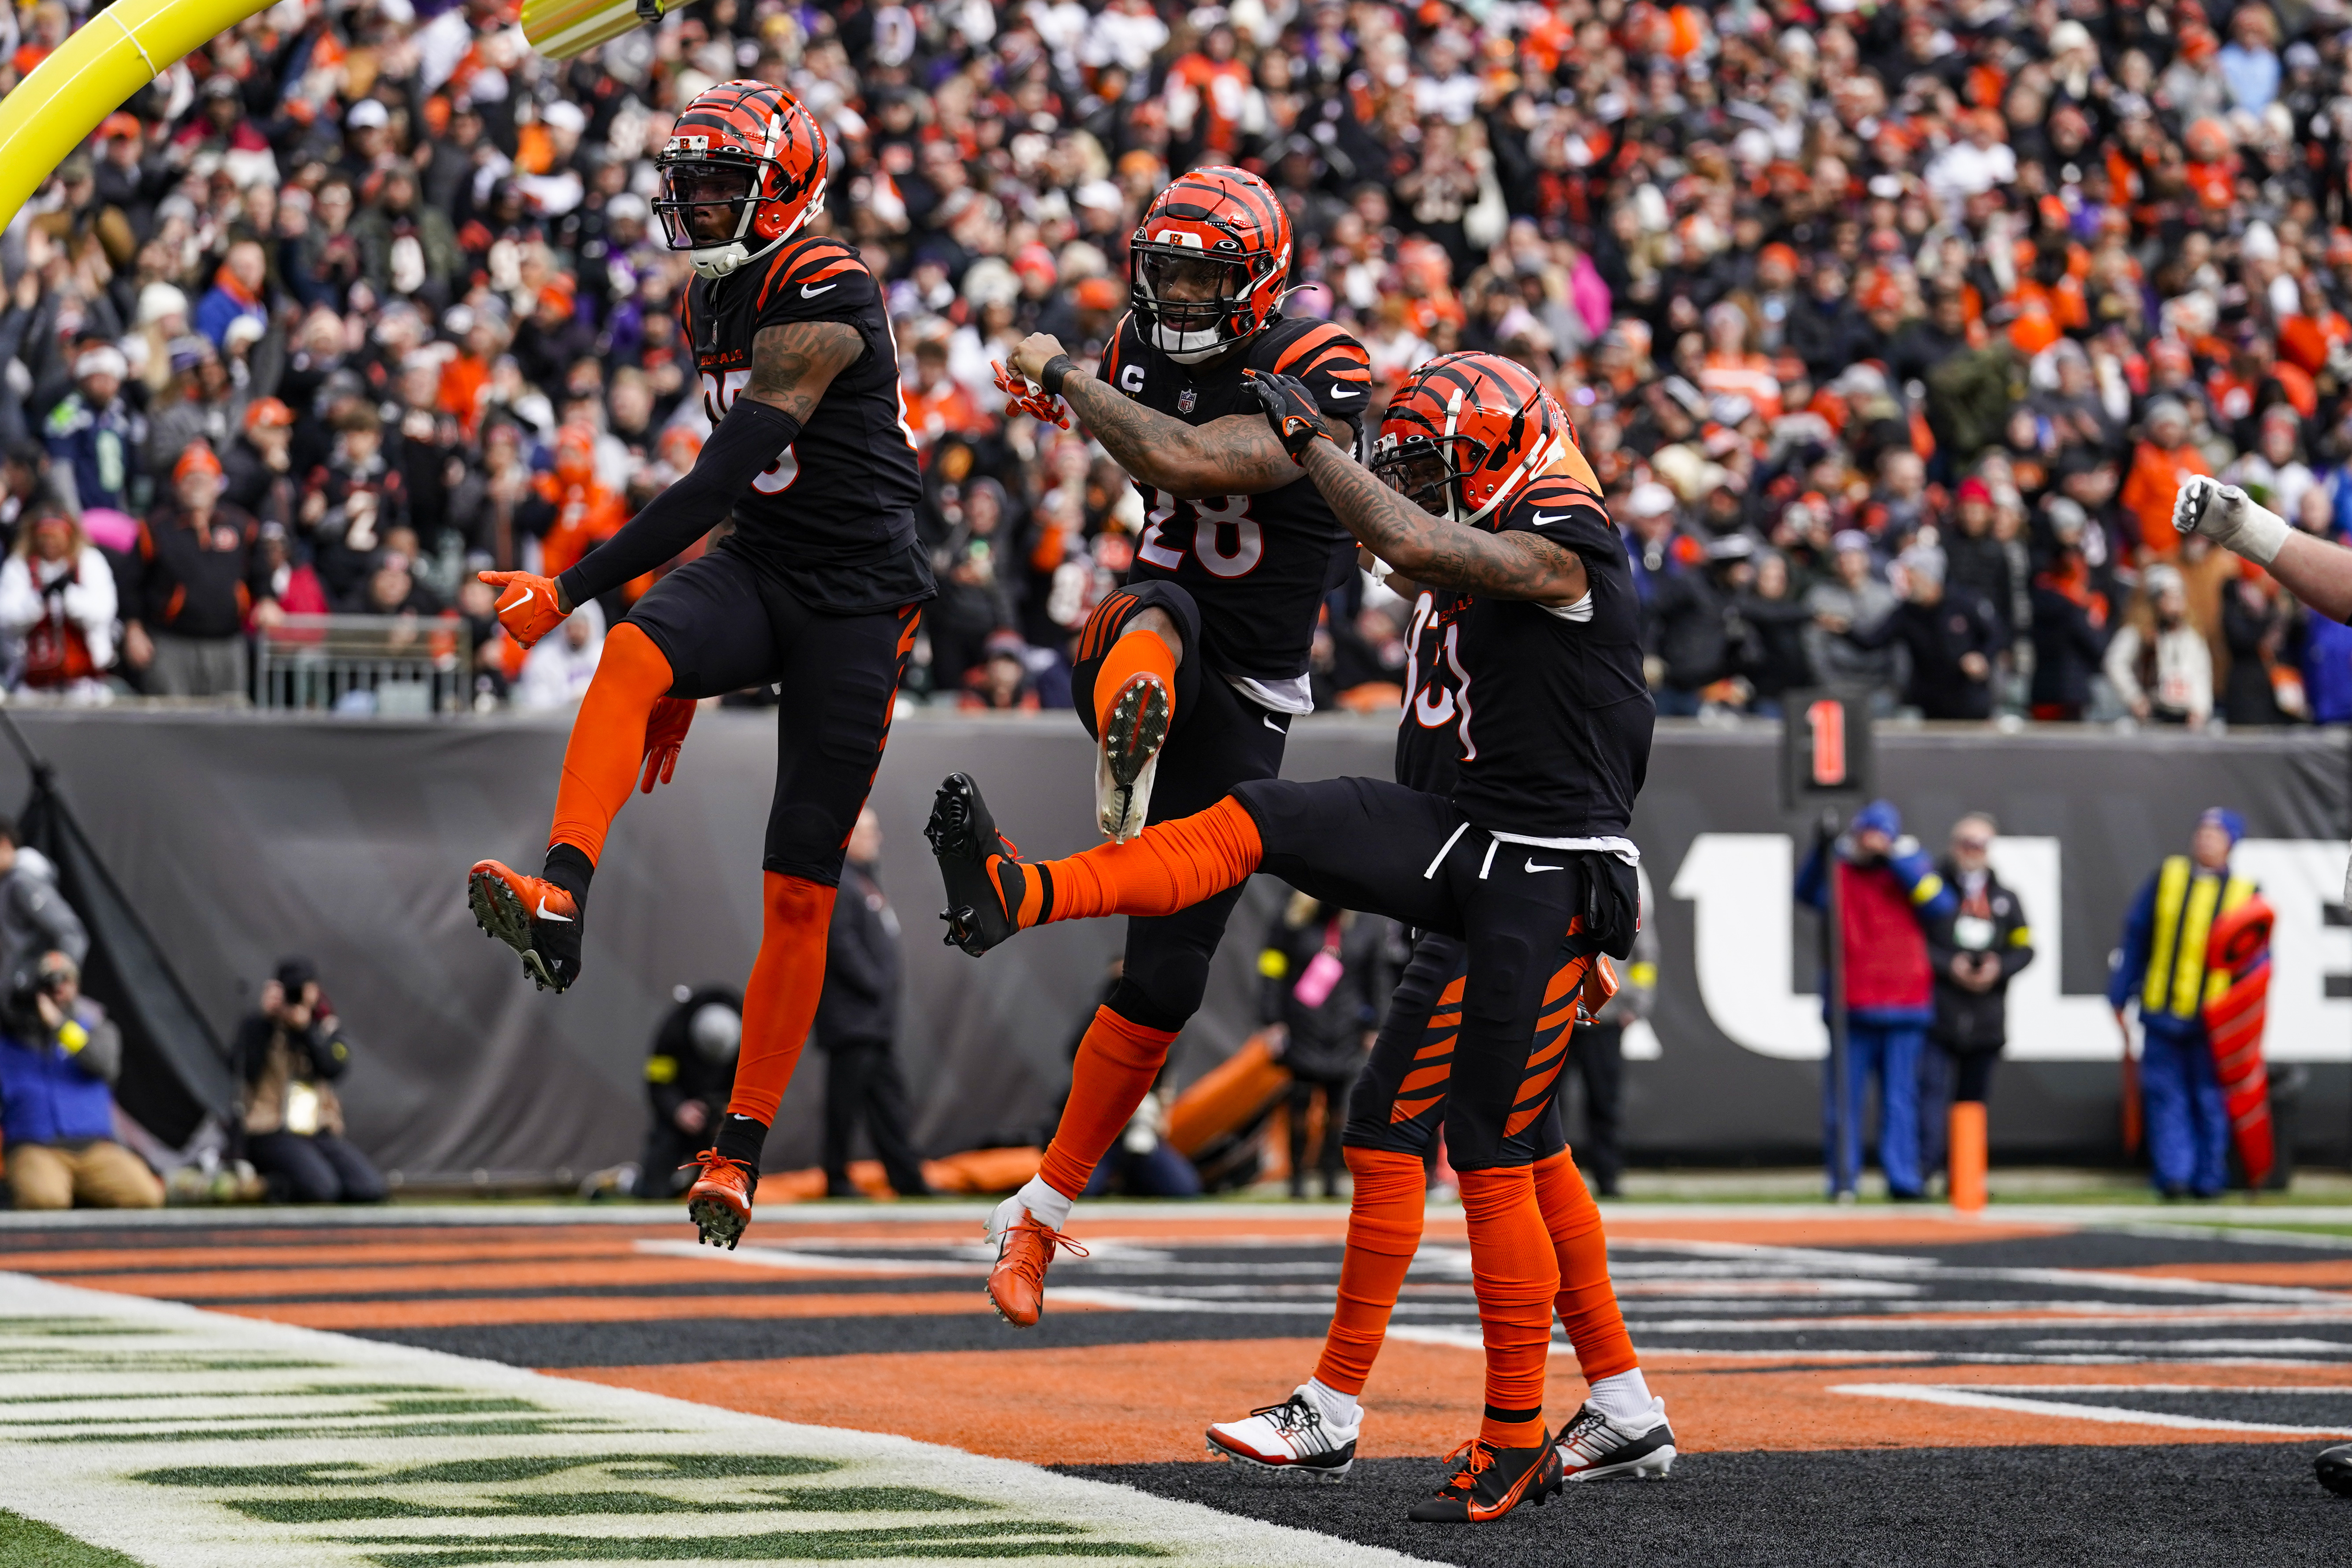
x=1188, y=348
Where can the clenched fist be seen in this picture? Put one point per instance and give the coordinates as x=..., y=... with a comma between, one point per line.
x=2231, y=519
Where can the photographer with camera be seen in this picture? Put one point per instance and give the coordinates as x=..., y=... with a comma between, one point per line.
x=287, y=1056
x=58, y=1052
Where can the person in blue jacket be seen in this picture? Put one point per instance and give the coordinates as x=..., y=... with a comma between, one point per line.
x=1888, y=892
x=2162, y=966
x=58, y=1052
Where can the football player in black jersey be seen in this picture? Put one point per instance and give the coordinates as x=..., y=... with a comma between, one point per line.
x=1473, y=488
x=817, y=590
x=1393, y=1115
x=1190, y=674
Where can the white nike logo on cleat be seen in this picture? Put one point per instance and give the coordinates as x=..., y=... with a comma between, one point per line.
x=1533, y=866
x=547, y=914
x=810, y=290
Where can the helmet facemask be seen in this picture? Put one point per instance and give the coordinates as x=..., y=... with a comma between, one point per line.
x=1190, y=302
x=1427, y=471
x=710, y=202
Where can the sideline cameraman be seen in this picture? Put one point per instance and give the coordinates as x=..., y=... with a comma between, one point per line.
x=58, y=1054
x=34, y=918
x=287, y=1055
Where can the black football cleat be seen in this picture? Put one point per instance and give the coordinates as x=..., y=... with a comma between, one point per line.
x=2333, y=1468
x=986, y=882
x=532, y=915
x=1127, y=760
x=1488, y=1482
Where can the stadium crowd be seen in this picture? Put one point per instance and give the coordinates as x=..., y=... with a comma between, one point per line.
x=1889, y=328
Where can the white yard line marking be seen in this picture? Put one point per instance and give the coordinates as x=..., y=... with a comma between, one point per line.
x=1969, y=1399
x=191, y=1440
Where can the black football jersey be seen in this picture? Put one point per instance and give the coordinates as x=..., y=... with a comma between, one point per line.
x=835, y=517
x=1258, y=566
x=1552, y=714
x=1429, y=732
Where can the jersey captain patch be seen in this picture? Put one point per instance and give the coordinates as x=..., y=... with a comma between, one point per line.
x=1259, y=565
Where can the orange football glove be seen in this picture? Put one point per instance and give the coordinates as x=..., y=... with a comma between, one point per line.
x=1030, y=399
x=526, y=604
x=665, y=735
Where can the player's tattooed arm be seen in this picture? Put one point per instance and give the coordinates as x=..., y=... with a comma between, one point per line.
x=793, y=363
x=1235, y=456
x=1435, y=550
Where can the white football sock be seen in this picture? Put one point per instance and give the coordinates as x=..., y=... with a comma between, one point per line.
x=1044, y=1205
x=1334, y=1407
x=1624, y=1399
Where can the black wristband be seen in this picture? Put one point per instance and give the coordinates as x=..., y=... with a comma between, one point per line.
x=1058, y=369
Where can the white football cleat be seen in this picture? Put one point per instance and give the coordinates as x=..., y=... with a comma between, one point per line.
x=1128, y=757
x=1291, y=1439
x=1594, y=1448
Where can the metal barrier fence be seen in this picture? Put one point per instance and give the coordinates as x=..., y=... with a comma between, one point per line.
x=392, y=667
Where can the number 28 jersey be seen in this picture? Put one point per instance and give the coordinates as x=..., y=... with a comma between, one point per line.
x=1258, y=565
x=1533, y=718
x=834, y=517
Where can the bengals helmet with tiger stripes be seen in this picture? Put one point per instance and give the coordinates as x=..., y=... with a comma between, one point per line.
x=743, y=169
x=1208, y=263
x=1465, y=432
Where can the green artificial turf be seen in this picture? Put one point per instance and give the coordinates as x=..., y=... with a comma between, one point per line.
x=30, y=1543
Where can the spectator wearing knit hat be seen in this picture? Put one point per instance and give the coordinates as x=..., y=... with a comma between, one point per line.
x=2163, y=670
x=197, y=572
x=1951, y=636
x=94, y=436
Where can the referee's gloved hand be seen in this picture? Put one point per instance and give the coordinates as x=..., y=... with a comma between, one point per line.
x=526, y=604
x=665, y=736
x=1290, y=408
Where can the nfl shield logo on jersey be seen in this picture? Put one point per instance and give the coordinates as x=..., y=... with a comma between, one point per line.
x=1185, y=399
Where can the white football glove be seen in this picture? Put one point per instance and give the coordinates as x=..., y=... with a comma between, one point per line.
x=2229, y=518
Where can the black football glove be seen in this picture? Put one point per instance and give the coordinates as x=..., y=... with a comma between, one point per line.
x=1290, y=408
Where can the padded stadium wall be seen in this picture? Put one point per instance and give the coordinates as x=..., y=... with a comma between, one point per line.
x=242, y=838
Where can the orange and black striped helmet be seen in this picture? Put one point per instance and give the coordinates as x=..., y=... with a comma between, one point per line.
x=1465, y=431
x=743, y=169
x=1208, y=263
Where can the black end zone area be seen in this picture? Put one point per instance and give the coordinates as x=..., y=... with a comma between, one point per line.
x=2190, y=1506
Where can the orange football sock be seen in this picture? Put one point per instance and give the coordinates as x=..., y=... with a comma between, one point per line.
x=1136, y=652
x=1167, y=867
x=780, y=999
x=1383, y=1233
x=607, y=749
x=1118, y=1061
x=1587, y=1302
x=1516, y=1275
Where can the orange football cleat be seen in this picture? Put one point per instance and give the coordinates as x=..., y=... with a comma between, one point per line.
x=719, y=1202
x=1016, y=1285
x=532, y=915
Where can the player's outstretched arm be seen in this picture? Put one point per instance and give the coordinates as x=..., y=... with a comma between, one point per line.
x=792, y=364
x=1230, y=457
x=2314, y=570
x=1424, y=547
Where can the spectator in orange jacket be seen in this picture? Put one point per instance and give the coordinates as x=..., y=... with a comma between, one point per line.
x=2162, y=462
x=586, y=513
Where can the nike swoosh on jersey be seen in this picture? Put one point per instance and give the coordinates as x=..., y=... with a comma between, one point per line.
x=810, y=290
x=1540, y=519
x=1337, y=393
x=547, y=914
x=1533, y=866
